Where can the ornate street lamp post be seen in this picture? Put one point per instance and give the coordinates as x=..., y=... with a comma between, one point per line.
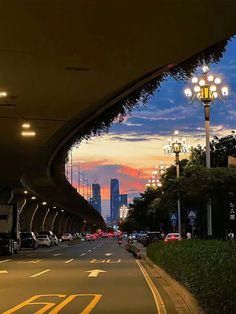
x=206, y=89
x=177, y=147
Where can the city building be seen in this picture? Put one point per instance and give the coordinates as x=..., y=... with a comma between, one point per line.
x=95, y=200
x=108, y=220
x=123, y=200
x=114, y=200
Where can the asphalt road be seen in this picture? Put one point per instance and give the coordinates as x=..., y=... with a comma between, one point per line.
x=91, y=277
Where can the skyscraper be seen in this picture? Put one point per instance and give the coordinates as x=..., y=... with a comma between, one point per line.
x=123, y=200
x=114, y=200
x=96, y=197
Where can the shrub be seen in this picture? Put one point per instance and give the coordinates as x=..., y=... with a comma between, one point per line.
x=206, y=268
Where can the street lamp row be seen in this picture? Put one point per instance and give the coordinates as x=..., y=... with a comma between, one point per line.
x=206, y=89
x=177, y=146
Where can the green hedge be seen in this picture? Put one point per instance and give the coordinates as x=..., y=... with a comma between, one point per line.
x=206, y=268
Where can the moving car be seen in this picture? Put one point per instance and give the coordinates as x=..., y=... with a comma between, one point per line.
x=172, y=237
x=29, y=240
x=44, y=240
x=66, y=237
x=90, y=237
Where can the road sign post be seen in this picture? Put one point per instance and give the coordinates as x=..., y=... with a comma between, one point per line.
x=192, y=215
x=173, y=219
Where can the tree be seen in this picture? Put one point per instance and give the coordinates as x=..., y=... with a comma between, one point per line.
x=221, y=148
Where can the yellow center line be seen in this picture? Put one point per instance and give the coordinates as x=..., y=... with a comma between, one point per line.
x=157, y=297
x=70, y=260
x=41, y=273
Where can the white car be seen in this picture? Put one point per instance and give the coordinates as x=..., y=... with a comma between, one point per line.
x=44, y=240
x=66, y=237
x=55, y=240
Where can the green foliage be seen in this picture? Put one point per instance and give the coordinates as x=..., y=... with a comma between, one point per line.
x=221, y=148
x=141, y=95
x=206, y=268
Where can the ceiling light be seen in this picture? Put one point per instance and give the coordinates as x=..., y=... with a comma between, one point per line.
x=28, y=133
x=3, y=94
x=26, y=125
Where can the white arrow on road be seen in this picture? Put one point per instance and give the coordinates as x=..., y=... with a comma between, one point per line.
x=108, y=254
x=95, y=272
x=3, y=272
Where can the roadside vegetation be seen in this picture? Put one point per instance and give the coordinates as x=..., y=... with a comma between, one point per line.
x=195, y=186
x=206, y=268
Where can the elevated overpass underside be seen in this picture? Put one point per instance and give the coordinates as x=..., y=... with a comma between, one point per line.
x=63, y=62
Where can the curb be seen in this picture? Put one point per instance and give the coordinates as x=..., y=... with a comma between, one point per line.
x=186, y=296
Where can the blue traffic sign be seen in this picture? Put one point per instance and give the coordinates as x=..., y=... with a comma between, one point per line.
x=173, y=216
x=192, y=214
x=192, y=221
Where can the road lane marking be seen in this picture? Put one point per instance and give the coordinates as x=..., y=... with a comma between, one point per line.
x=108, y=254
x=70, y=260
x=114, y=262
x=5, y=260
x=54, y=307
x=48, y=305
x=98, y=261
x=41, y=273
x=89, y=250
x=29, y=262
x=82, y=254
x=58, y=254
x=157, y=297
x=95, y=272
x=3, y=272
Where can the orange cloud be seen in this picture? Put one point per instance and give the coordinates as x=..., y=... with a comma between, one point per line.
x=132, y=172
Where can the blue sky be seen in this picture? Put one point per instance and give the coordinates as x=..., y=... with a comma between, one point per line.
x=130, y=151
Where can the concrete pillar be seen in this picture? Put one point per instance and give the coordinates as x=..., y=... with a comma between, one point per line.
x=44, y=219
x=39, y=218
x=50, y=219
x=58, y=223
x=65, y=224
x=20, y=200
x=27, y=215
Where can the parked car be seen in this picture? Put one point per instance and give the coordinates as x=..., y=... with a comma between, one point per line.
x=44, y=240
x=172, y=237
x=29, y=240
x=55, y=240
x=90, y=237
x=66, y=237
x=49, y=234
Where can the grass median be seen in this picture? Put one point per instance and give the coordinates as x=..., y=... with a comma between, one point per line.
x=206, y=268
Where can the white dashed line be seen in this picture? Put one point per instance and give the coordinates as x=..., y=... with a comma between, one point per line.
x=82, y=254
x=70, y=260
x=89, y=250
x=5, y=260
x=41, y=273
x=59, y=254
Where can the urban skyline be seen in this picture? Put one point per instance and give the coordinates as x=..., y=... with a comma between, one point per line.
x=131, y=150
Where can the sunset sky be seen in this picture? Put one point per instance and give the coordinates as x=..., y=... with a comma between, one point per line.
x=129, y=152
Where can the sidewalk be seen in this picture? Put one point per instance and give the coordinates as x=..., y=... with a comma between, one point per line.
x=184, y=300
